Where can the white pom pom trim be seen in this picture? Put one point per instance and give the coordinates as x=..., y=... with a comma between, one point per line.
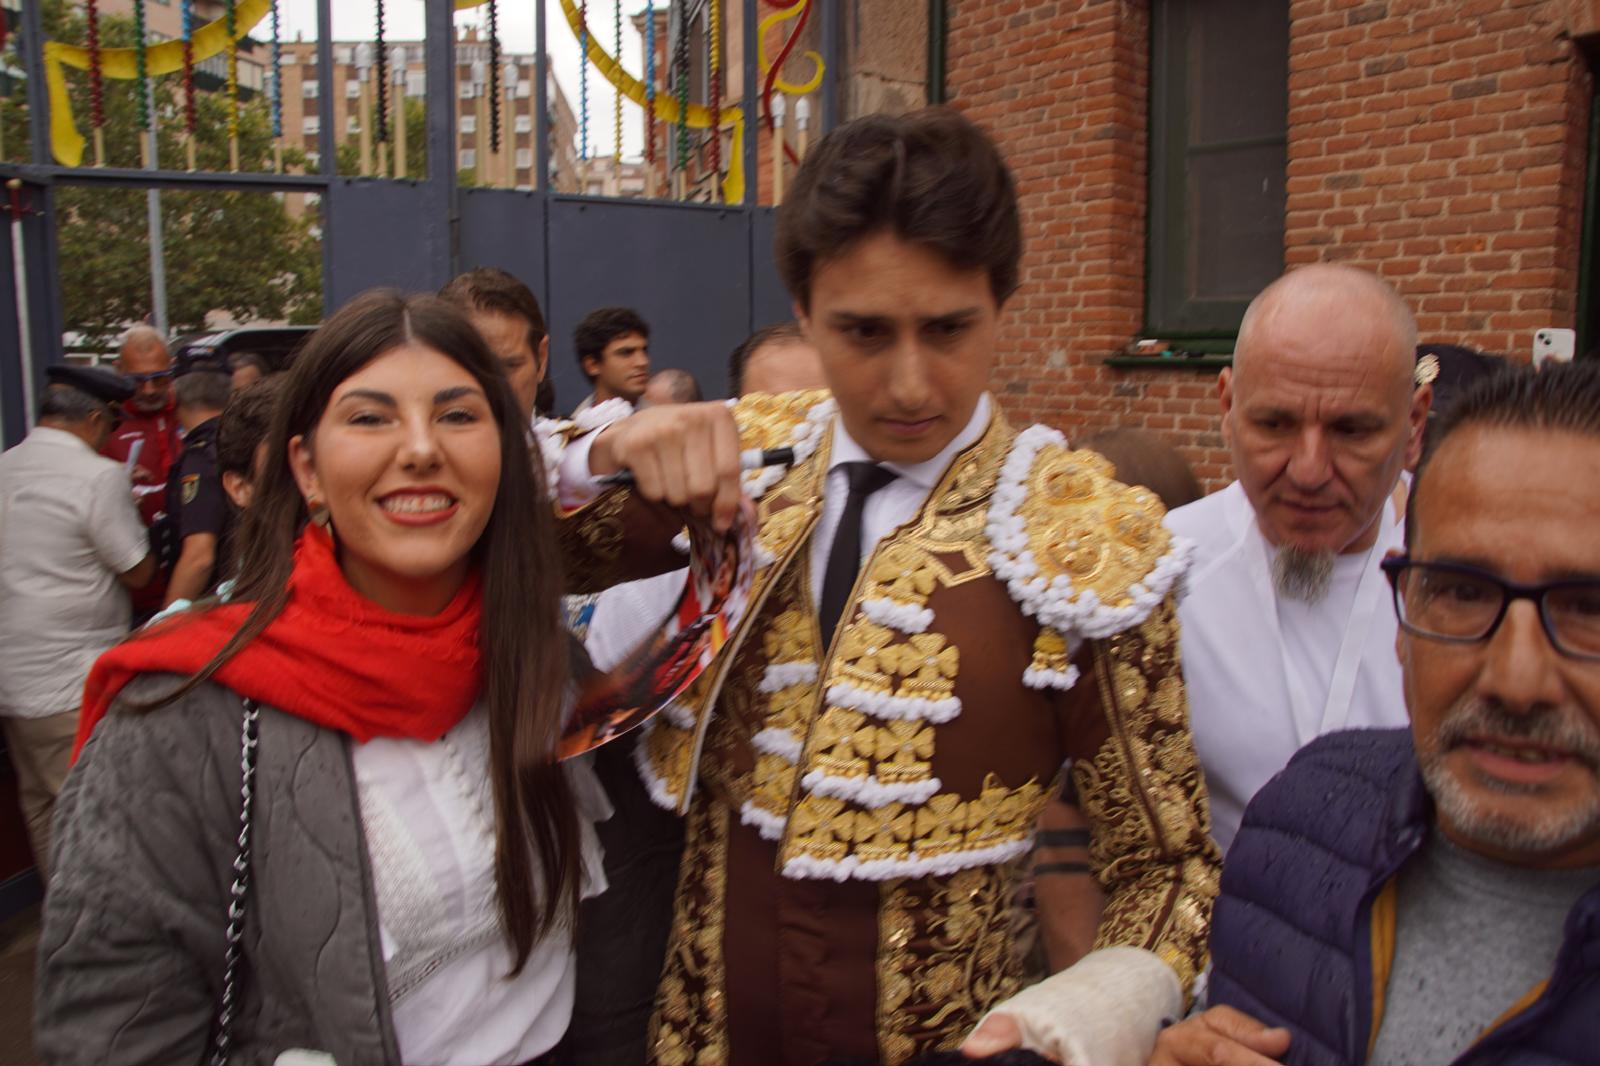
x=603, y=414
x=894, y=708
x=780, y=742
x=552, y=444
x=904, y=617
x=768, y=825
x=1060, y=679
x=868, y=791
x=679, y=716
x=850, y=868
x=779, y=676
x=660, y=794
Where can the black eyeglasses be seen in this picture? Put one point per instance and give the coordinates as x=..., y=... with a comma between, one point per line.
x=154, y=375
x=1465, y=605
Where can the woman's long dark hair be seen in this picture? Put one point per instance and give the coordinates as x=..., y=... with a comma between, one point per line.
x=523, y=640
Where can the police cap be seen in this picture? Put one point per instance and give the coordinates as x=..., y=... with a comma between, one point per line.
x=107, y=386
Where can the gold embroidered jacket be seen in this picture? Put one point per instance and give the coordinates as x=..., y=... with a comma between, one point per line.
x=857, y=812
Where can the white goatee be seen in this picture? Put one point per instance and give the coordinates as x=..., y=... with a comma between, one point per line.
x=1302, y=573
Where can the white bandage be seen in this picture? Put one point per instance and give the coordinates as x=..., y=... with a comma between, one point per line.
x=1106, y=1010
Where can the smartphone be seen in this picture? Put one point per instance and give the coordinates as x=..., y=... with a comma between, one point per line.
x=1557, y=345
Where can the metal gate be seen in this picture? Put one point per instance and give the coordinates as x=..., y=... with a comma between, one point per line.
x=701, y=273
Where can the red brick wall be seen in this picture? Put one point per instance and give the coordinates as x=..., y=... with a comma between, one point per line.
x=1440, y=142
x=1441, y=145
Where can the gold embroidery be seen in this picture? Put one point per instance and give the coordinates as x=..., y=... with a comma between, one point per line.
x=774, y=782
x=903, y=751
x=668, y=751
x=595, y=534
x=883, y=833
x=1144, y=796
x=829, y=828
x=1080, y=523
x=1050, y=652
x=945, y=957
x=843, y=740
x=902, y=573
x=690, y=1023
x=865, y=655
x=928, y=664
x=769, y=419
x=821, y=828
x=787, y=639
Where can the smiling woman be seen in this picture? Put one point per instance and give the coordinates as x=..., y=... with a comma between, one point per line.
x=393, y=650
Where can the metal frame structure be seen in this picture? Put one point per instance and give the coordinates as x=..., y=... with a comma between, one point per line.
x=418, y=232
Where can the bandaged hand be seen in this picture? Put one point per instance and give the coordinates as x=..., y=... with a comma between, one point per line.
x=1106, y=1010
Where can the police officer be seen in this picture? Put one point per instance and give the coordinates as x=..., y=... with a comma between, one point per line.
x=196, y=505
x=72, y=545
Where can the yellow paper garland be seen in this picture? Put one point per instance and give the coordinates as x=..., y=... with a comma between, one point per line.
x=66, y=143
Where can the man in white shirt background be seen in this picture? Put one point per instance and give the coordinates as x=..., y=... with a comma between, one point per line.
x=72, y=545
x=1286, y=632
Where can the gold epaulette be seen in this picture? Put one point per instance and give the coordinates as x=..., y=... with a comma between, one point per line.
x=781, y=420
x=1084, y=554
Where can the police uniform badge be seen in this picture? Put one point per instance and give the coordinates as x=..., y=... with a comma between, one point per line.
x=191, y=488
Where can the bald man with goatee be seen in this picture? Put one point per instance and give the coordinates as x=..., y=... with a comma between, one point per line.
x=1287, y=633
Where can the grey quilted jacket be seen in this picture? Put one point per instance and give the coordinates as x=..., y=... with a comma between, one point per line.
x=131, y=954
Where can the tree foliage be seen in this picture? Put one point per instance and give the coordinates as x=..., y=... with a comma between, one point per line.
x=240, y=253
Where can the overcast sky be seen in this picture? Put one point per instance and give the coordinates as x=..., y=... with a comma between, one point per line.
x=403, y=20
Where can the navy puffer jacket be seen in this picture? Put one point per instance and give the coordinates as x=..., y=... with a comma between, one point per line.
x=1291, y=935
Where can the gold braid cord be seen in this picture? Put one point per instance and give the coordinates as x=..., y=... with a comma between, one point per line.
x=1144, y=796
x=690, y=1023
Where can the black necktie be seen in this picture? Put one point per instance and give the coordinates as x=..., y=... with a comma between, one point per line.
x=844, y=558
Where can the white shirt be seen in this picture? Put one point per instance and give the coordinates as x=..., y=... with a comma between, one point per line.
x=68, y=527
x=626, y=615
x=891, y=506
x=1259, y=669
x=428, y=815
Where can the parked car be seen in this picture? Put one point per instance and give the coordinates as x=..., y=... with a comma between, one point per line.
x=275, y=344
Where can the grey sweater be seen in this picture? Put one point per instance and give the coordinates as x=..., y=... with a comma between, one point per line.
x=131, y=954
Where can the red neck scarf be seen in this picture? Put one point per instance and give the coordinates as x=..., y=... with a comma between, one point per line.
x=331, y=657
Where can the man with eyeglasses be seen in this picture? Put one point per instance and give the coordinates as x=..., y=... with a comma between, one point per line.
x=1285, y=635
x=147, y=442
x=1432, y=895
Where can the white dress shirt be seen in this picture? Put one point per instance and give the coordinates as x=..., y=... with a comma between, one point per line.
x=427, y=811
x=891, y=506
x=68, y=527
x=1266, y=675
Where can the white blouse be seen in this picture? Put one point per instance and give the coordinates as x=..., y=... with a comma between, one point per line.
x=428, y=814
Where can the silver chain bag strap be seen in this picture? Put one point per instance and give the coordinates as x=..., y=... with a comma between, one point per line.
x=241, y=884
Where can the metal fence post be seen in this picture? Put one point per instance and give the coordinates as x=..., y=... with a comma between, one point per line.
x=440, y=192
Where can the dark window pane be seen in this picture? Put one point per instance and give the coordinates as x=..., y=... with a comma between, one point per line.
x=1238, y=70
x=1235, y=205
x=1218, y=117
